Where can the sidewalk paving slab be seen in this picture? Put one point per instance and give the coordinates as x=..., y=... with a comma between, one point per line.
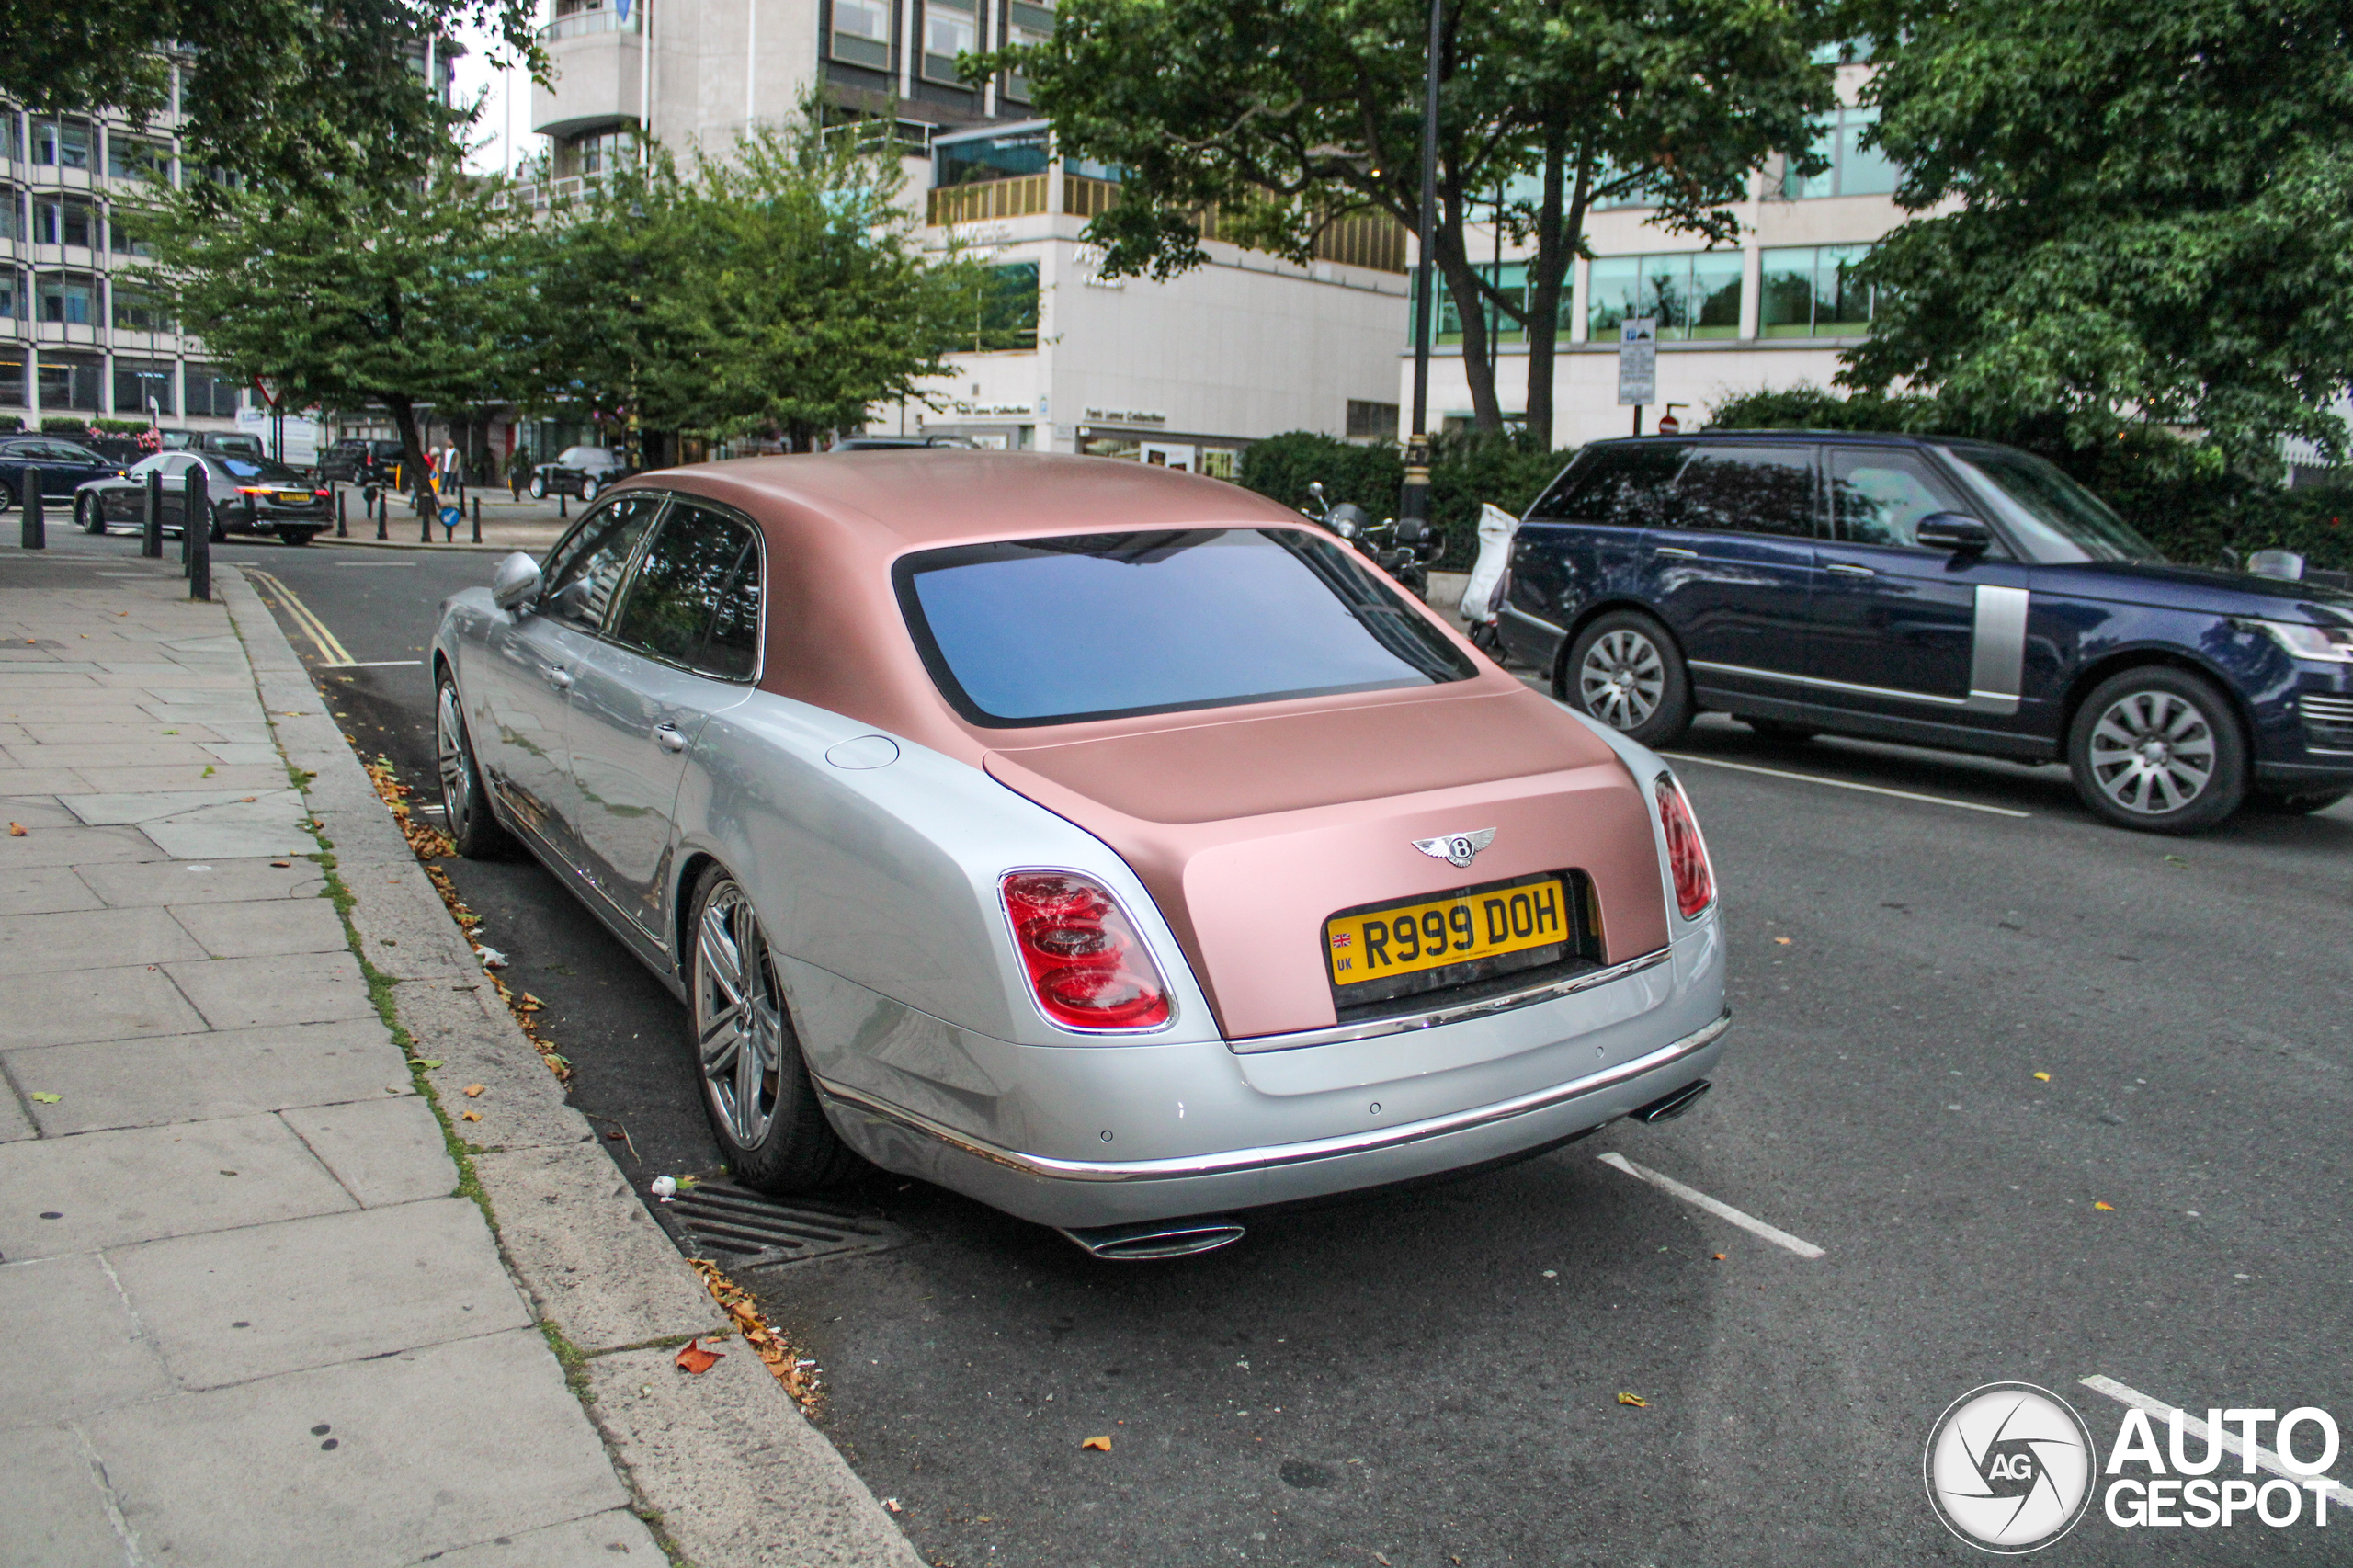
x=205, y=1077
x=386, y=1150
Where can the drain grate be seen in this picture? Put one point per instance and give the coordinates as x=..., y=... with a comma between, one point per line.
x=749, y=1230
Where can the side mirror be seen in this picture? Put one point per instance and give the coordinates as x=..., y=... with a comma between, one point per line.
x=516, y=582
x=2284, y=564
x=1950, y=530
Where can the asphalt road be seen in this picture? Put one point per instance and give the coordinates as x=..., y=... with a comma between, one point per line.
x=1433, y=1378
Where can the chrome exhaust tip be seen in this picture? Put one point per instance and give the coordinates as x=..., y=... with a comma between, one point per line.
x=1673, y=1105
x=1151, y=1239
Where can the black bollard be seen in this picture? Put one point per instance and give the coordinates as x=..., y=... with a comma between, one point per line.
x=36, y=534
x=376, y=505
x=561, y=496
x=477, y=519
x=340, y=531
x=425, y=516
x=196, y=530
x=150, y=536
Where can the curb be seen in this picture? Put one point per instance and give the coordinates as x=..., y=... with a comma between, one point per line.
x=726, y=1460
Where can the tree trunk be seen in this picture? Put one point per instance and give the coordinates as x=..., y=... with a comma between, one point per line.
x=404, y=413
x=1558, y=236
x=1451, y=258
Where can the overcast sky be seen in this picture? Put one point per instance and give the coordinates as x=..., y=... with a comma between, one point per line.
x=480, y=70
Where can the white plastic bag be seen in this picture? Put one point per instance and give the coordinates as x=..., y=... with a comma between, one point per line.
x=1496, y=527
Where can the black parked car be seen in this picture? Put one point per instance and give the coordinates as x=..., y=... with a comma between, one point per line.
x=1936, y=592
x=578, y=471
x=354, y=460
x=63, y=465
x=247, y=495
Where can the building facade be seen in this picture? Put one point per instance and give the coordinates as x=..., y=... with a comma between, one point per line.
x=1184, y=373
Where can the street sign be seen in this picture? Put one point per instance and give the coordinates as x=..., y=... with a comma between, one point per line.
x=1637, y=361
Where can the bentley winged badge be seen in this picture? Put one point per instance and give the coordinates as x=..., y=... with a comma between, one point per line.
x=1456, y=848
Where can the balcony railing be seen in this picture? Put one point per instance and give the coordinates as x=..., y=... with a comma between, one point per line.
x=1016, y=197
x=581, y=24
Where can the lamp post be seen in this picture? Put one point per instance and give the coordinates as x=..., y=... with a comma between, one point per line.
x=1412, y=502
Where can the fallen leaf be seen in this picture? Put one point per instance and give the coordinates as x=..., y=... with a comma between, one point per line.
x=2044, y=1076
x=208, y=771
x=1103, y=1443
x=1782, y=940
x=282, y=864
x=694, y=1359
x=429, y=1062
x=617, y=1137
x=471, y=1116
x=2110, y=1207
x=48, y=1099
x=1634, y=1399
x=473, y=1091
x=1718, y=1256
x=16, y=830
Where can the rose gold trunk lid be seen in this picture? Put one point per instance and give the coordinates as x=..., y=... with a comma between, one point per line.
x=1251, y=829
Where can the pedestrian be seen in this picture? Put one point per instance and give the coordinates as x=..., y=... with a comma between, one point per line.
x=518, y=468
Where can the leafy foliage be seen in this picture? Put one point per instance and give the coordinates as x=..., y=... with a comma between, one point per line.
x=293, y=94
x=1466, y=468
x=2156, y=222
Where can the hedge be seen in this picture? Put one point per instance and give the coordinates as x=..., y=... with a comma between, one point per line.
x=1466, y=468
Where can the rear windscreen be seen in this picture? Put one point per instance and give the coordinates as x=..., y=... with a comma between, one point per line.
x=1054, y=630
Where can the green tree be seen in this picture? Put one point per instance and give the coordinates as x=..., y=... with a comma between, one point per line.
x=289, y=94
x=412, y=296
x=2155, y=218
x=1280, y=116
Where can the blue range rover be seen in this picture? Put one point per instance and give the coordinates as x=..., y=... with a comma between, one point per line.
x=1936, y=592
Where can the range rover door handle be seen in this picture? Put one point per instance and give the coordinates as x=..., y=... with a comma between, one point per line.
x=667, y=737
x=1848, y=568
x=1676, y=553
x=560, y=678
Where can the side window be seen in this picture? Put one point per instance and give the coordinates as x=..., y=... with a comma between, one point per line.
x=584, y=570
x=734, y=647
x=1626, y=487
x=679, y=599
x=1748, y=489
x=1877, y=495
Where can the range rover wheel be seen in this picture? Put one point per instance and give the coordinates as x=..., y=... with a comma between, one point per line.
x=2158, y=749
x=465, y=803
x=1625, y=671
x=757, y=1091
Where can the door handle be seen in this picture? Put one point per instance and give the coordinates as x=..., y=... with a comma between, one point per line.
x=1848, y=568
x=560, y=678
x=667, y=737
x=1675, y=551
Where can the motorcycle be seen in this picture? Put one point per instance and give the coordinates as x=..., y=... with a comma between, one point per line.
x=1401, y=550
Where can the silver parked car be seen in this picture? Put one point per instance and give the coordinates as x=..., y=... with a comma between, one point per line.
x=1110, y=844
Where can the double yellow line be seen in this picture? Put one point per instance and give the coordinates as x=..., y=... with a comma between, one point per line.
x=330, y=650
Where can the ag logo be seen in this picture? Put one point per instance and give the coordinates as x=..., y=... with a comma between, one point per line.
x=2009, y=1467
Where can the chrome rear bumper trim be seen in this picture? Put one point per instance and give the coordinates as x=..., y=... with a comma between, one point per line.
x=1237, y=1160
x=1371, y=1029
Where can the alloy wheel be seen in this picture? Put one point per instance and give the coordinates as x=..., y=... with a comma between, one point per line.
x=739, y=1017
x=1622, y=679
x=2152, y=752
x=456, y=767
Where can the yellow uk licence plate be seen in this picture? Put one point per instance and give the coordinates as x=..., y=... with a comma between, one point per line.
x=1461, y=927
x=293, y=498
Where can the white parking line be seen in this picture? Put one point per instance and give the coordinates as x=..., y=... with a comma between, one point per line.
x=1749, y=1223
x=1844, y=784
x=2264, y=1457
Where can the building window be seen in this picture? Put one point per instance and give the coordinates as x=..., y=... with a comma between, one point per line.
x=136, y=381
x=64, y=143
x=211, y=392
x=949, y=30
x=68, y=297
x=12, y=145
x=1371, y=421
x=13, y=364
x=129, y=158
x=12, y=215
x=862, y=33
x=13, y=303
x=976, y=159
x=1811, y=292
x=1691, y=294
x=1008, y=317
x=1855, y=170
x=123, y=240
x=136, y=310
x=64, y=221
x=594, y=152
x=1026, y=27
x=70, y=380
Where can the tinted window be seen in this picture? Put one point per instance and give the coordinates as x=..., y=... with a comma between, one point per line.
x=262, y=468
x=1628, y=486
x=584, y=570
x=685, y=578
x=1877, y=495
x=734, y=651
x=584, y=457
x=1043, y=632
x=66, y=453
x=1749, y=490
x=147, y=466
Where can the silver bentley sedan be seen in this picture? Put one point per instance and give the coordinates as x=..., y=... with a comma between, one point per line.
x=1110, y=844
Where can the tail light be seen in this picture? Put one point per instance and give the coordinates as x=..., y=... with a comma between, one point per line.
x=1687, y=852
x=1087, y=967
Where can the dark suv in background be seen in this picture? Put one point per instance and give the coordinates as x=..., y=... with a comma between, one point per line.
x=1936, y=592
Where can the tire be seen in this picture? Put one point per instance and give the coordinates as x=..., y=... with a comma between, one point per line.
x=296, y=536
x=8, y=497
x=588, y=488
x=1625, y=671
x=465, y=801
x=763, y=1109
x=87, y=513
x=539, y=487
x=2159, y=750
x=1778, y=730
x=219, y=533
x=2297, y=805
